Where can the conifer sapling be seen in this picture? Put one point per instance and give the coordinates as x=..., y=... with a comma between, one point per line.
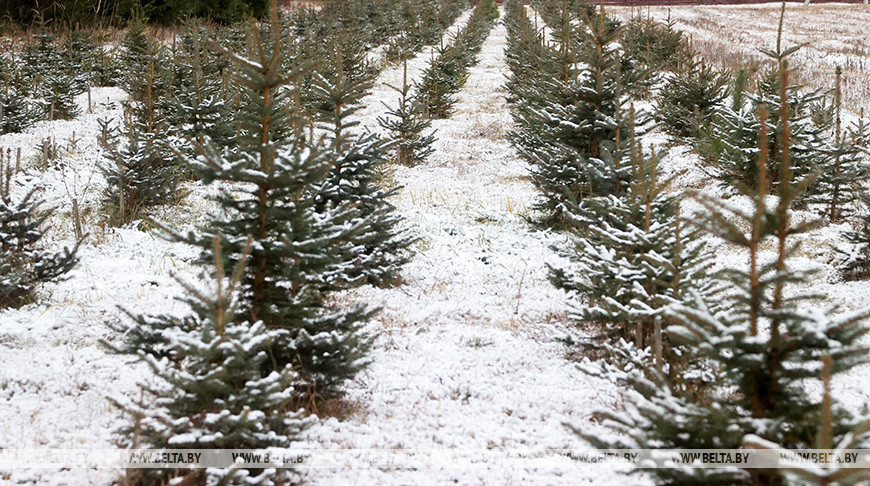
x=208, y=390
x=407, y=124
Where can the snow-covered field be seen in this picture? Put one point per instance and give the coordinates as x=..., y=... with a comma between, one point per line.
x=468, y=354
x=832, y=34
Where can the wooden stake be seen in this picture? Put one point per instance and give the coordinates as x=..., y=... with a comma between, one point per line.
x=8, y=176
x=77, y=218
x=1, y=173
x=838, y=135
x=121, y=195
x=826, y=436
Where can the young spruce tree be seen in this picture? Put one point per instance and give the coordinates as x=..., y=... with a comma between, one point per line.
x=299, y=245
x=197, y=109
x=833, y=473
x=17, y=112
x=24, y=261
x=208, y=389
x=574, y=133
x=634, y=258
x=378, y=251
x=50, y=78
x=845, y=170
x=138, y=173
x=448, y=71
x=733, y=149
x=406, y=124
x=691, y=98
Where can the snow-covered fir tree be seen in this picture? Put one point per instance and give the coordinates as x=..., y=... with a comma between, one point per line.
x=659, y=412
x=859, y=133
x=98, y=57
x=197, y=110
x=149, y=105
x=379, y=250
x=25, y=262
x=338, y=55
x=420, y=23
x=573, y=131
x=566, y=21
x=208, y=390
x=857, y=264
x=441, y=80
x=59, y=95
x=77, y=52
x=298, y=245
x=411, y=32
x=135, y=58
x=633, y=258
x=842, y=174
x=40, y=56
x=447, y=72
x=531, y=61
x=407, y=125
x=691, y=98
x=147, y=124
x=18, y=112
x=857, y=436
x=857, y=256
x=732, y=146
x=49, y=78
x=138, y=173
x=656, y=45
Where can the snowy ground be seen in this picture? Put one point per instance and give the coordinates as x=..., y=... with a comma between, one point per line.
x=467, y=354
x=54, y=374
x=832, y=34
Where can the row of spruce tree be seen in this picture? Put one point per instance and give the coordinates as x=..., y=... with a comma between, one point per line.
x=707, y=359
x=263, y=345
x=38, y=84
x=185, y=93
x=432, y=97
x=266, y=112
x=19, y=14
x=55, y=65
x=447, y=72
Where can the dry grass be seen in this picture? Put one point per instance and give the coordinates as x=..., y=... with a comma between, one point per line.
x=494, y=130
x=294, y=4
x=339, y=408
x=833, y=34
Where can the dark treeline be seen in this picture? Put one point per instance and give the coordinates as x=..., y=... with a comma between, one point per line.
x=117, y=12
